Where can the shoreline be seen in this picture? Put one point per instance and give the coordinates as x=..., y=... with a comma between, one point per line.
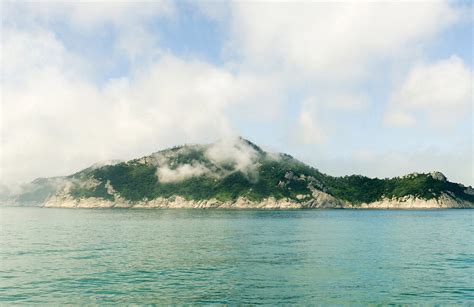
x=240, y=209
x=326, y=202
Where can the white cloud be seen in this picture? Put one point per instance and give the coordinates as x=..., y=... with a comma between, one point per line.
x=236, y=152
x=86, y=15
x=56, y=120
x=310, y=127
x=332, y=50
x=26, y=52
x=229, y=154
x=128, y=20
x=441, y=91
x=123, y=13
x=337, y=40
x=182, y=172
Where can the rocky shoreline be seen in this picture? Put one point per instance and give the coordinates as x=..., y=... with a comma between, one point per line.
x=319, y=200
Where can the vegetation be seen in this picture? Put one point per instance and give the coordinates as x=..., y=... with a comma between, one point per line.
x=99, y=191
x=37, y=191
x=133, y=181
x=279, y=177
x=359, y=189
x=136, y=180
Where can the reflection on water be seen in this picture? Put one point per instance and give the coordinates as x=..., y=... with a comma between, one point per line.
x=236, y=257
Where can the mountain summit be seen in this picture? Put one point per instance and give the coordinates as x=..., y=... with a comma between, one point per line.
x=236, y=173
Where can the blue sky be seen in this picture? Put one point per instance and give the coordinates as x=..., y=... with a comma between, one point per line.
x=380, y=89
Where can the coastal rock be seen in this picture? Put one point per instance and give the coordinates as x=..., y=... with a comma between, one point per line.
x=412, y=202
x=438, y=176
x=318, y=199
x=321, y=199
x=469, y=190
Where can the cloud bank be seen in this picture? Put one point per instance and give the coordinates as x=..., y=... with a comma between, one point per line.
x=84, y=82
x=440, y=91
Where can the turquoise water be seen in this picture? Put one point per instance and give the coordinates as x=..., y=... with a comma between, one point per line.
x=217, y=256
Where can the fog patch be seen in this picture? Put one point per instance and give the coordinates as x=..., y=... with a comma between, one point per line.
x=222, y=158
x=276, y=156
x=237, y=153
x=166, y=174
x=32, y=193
x=105, y=163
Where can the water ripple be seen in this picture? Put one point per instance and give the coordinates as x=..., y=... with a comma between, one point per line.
x=53, y=256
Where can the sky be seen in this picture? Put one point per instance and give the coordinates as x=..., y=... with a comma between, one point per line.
x=374, y=88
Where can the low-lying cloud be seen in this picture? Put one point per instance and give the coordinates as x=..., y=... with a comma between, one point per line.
x=182, y=172
x=236, y=152
x=228, y=155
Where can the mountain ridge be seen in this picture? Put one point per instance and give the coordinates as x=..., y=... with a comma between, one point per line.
x=236, y=173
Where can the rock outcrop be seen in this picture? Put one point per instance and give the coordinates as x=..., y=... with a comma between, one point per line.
x=319, y=200
x=438, y=176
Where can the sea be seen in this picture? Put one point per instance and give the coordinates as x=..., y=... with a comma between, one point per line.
x=213, y=256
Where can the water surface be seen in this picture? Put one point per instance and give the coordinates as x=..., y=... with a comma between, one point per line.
x=131, y=256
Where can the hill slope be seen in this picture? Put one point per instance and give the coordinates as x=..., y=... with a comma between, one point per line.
x=236, y=173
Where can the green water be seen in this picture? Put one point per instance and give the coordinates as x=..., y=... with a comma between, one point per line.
x=58, y=256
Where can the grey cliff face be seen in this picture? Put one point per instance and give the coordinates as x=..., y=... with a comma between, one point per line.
x=438, y=176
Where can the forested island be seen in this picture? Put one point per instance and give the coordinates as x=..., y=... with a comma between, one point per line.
x=234, y=173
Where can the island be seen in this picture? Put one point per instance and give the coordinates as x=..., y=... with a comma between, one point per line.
x=235, y=174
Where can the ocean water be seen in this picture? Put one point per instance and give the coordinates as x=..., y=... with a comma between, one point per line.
x=61, y=256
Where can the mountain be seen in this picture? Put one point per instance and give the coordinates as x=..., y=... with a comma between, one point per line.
x=235, y=173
